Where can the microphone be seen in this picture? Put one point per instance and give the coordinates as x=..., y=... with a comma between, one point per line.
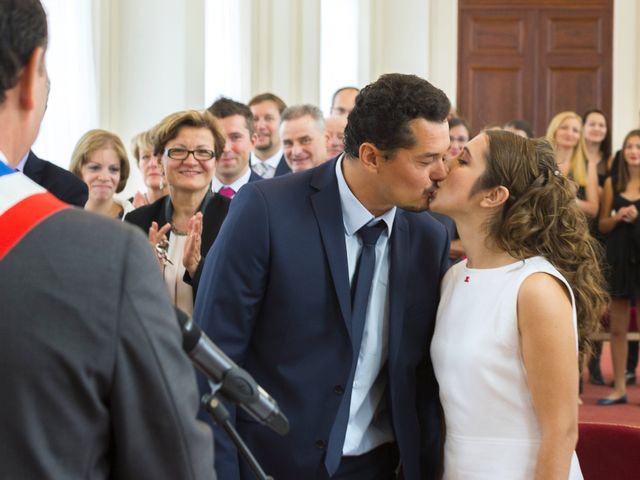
x=236, y=383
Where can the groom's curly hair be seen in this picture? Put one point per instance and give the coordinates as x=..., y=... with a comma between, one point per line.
x=384, y=109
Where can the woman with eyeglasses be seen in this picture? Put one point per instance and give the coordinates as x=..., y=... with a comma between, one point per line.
x=183, y=225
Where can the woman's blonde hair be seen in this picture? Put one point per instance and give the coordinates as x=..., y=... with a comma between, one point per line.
x=95, y=140
x=541, y=218
x=578, y=168
x=140, y=141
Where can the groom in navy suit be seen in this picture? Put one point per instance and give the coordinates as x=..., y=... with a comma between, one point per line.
x=324, y=285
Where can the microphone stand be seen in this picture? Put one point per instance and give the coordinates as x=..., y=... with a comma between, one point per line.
x=220, y=415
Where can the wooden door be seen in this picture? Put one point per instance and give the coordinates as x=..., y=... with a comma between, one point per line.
x=533, y=59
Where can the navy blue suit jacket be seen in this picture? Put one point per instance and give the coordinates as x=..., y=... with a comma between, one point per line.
x=282, y=168
x=254, y=177
x=276, y=298
x=62, y=183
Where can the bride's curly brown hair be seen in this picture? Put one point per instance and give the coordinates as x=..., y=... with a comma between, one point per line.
x=541, y=217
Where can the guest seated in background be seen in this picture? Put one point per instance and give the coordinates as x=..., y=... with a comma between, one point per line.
x=100, y=160
x=619, y=222
x=519, y=127
x=232, y=168
x=62, y=183
x=183, y=225
x=267, y=160
x=334, y=134
x=564, y=134
x=513, y=314
x=302, y=132
x=151, y=169
x=343, y=101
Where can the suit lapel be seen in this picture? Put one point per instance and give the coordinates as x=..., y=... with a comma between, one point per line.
x=398, y=273
x=282, y=167
x=328, y=212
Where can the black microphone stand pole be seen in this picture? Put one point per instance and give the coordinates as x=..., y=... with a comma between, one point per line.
x=220, y=415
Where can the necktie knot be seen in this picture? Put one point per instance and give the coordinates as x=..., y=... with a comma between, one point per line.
x=227, y=192
x=370, y=234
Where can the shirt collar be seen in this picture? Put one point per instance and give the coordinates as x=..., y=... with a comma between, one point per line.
x=271, y=161
x=354, y=214
x=20, y=166
x=216, y=184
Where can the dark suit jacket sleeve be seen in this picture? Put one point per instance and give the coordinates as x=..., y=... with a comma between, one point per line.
x=75, y=193
x=152, y=375
x=428, y=397
x=62, y=183
x=212, y=221
x=232, y=285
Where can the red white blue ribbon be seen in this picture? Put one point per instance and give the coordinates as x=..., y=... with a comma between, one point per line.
x=23, y=205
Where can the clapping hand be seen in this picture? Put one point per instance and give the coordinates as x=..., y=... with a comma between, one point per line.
x=159, y=242
x=191, y=257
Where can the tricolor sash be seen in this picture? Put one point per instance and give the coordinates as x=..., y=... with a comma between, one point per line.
x=23, y=205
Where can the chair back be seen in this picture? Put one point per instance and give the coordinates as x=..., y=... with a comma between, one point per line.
x=608, y=451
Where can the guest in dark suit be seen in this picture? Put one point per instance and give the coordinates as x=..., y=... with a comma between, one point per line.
x=353, y=376
x=62, y=183
x=268, y=158
x=95, y=382
x=232, y=168
x=185, y=223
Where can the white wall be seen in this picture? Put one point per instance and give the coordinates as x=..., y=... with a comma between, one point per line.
x=151, y=54
x=626, y=69
x=151, y=63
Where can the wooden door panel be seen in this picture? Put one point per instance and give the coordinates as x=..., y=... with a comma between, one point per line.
x=502, y=93
x=569, y=34
x=575, y=89
x=496, y=65
x=533, y=58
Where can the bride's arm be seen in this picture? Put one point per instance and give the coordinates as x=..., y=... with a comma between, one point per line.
x=550, y=358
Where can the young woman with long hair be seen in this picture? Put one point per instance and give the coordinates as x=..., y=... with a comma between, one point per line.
x=514, y=314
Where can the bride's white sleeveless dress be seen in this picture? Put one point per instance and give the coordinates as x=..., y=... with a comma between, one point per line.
x=491, y=427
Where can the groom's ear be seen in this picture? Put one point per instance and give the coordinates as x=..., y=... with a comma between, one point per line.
x=369, y=155
x=495, y=197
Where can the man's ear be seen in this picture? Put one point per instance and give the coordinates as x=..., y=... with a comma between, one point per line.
x=28, y=81
x=495, y=197
x=369, y=155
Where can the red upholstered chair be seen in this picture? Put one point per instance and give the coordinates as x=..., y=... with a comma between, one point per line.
x=609, y=451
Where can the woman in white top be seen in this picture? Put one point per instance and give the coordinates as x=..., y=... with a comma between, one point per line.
x=505, y=347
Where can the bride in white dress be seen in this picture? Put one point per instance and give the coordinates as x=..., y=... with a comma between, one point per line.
x=511, y=316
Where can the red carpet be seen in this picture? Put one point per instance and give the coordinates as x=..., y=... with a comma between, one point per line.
x=628, y=414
